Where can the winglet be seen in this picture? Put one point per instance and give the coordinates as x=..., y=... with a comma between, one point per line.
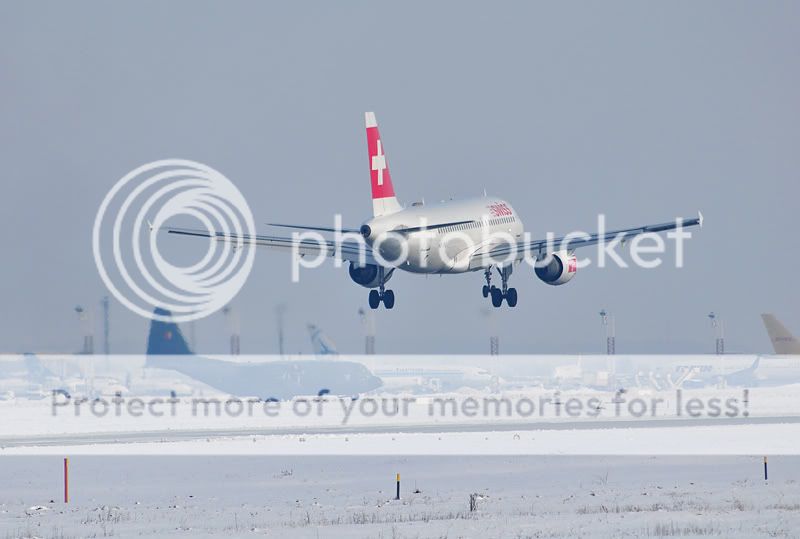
x=369, y=120
x=700, y=218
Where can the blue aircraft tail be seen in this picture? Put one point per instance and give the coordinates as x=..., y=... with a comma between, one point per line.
x=166, y=337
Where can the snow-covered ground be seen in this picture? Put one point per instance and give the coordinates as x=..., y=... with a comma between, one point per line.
x=340, y=497
x=644, y=463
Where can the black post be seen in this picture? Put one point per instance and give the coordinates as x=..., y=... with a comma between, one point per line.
x=398, y=487
x=765, y=469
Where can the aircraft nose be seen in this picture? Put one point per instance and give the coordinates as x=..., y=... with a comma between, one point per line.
x=366, y=231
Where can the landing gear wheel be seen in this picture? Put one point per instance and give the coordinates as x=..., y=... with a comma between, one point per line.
x=374, y=299
x=486, y=291
x=511, y=297
x=497, y=297
x=388, y=299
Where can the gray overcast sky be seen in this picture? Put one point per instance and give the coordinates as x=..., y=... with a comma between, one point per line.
x=641, y=111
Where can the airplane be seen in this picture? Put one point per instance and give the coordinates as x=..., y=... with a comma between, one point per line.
x=452, y=237
x=782, y=339
x=23, y=376
x=434, y=379
x=282, y=380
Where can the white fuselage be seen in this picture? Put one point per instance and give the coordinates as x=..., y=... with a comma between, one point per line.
x=489, y=222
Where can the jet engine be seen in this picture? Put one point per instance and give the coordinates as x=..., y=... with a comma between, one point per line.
x=559, y=270
x=367, y=276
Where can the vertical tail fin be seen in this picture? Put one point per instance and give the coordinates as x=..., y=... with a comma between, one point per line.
x=321, y=343
x=165, y=337
x=384, y=201
x=782, y=339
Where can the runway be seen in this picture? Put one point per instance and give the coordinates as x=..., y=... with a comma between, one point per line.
x=160, y=436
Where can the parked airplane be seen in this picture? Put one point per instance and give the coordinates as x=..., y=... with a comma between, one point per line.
x=167, y=349
x=658, y=372
x=782, y=339
x=434, y=379
x=459, y=236
x=23, y=376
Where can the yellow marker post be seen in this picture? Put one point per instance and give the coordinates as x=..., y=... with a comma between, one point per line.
x=397, y=497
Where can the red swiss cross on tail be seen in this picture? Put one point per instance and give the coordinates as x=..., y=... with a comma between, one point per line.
x=383, y=199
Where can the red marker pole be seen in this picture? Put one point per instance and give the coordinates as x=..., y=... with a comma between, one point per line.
x=66, y=480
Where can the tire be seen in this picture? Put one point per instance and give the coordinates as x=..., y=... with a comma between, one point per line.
x=388, y=299
x=511, y=297
x=497, y=297
x=486, y=290
x=374, y=299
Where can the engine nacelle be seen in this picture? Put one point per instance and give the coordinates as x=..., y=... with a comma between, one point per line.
x=367, y=276
x=561, y=268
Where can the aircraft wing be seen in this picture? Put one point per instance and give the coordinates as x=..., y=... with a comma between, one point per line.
x=524, y=247
x=350, y=250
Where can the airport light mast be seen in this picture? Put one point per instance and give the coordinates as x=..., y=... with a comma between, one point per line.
x=609, y=325
x=106, y=332
x=719, y=332
x=494, y=345
x=280, y=313
x=232, y=317
x=610, y=328
x=85, y=319
x=192, y=335
x=494, y=339
x=106, y=329
x=368, y=321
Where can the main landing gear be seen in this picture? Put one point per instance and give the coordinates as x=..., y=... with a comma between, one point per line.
x=498, y=294
x=376, y=296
